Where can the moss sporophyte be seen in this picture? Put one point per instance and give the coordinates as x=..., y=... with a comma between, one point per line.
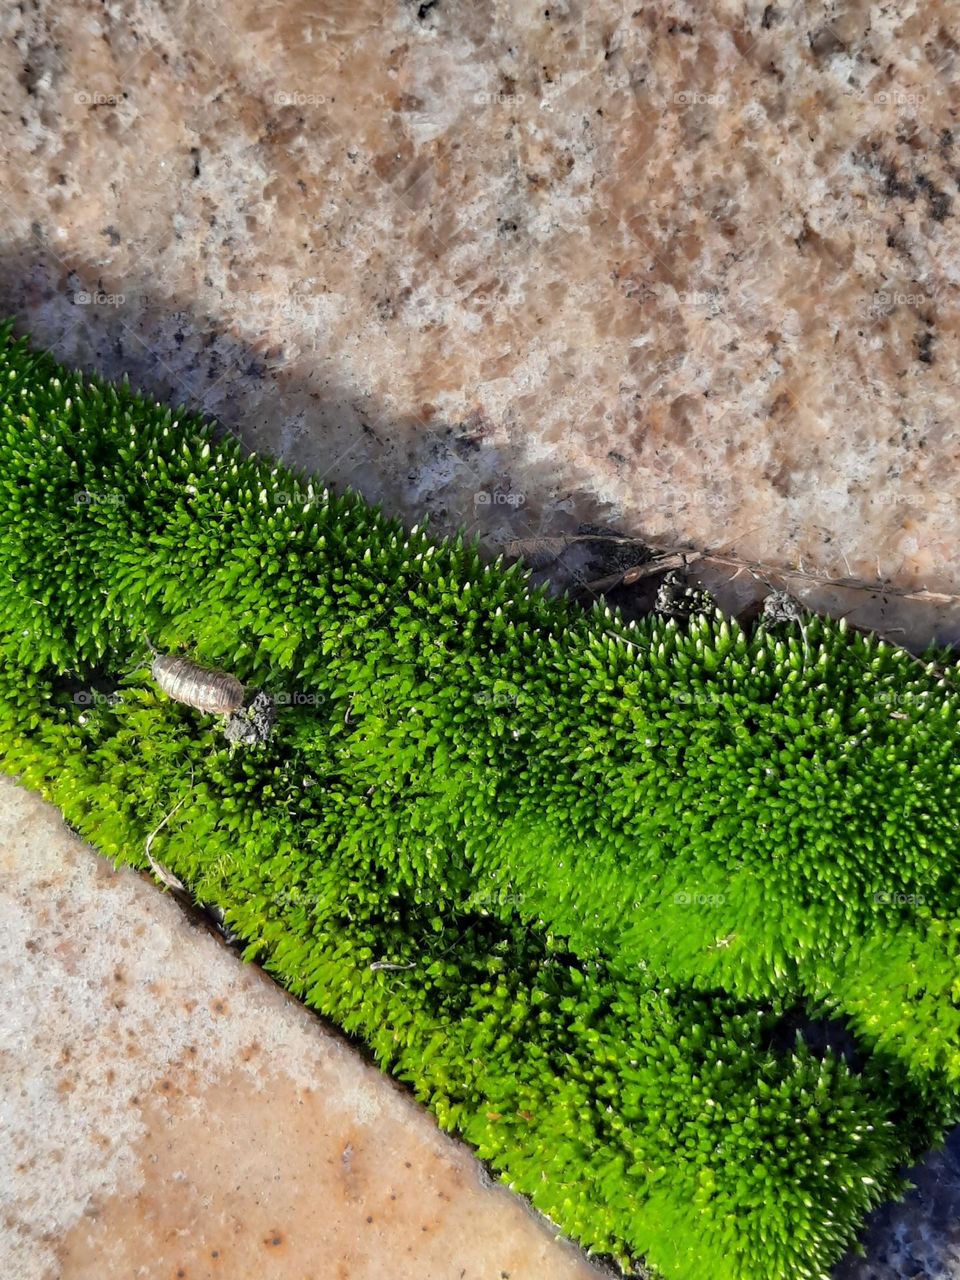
x=662, y=917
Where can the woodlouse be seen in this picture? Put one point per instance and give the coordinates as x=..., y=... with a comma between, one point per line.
x=202, y=688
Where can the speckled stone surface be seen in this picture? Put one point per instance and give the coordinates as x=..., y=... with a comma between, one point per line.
x=918, y=1238
x=688, y=270
x=167, y=1113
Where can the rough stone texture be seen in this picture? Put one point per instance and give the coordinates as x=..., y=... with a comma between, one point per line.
x=919, y=1238
x=166, y=1111
x=692, y=273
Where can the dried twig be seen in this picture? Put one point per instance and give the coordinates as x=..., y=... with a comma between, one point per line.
x=627, y=577
x=163, y=875
x=632, y=644
x=689, y=555
x=539, y=552
x=761, y=567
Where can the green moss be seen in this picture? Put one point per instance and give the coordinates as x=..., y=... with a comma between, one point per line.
x=612, y=860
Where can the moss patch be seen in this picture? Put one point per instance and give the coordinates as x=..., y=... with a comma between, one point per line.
x=572, y=879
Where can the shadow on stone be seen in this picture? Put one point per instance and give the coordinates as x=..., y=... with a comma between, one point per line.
x=451, y=474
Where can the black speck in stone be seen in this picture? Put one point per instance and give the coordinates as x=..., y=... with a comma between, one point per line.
x=939, y=206
x=825, y=42
x=939, y=200
x=895, y=187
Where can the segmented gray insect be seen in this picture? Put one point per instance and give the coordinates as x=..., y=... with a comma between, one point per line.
x=203, y=688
